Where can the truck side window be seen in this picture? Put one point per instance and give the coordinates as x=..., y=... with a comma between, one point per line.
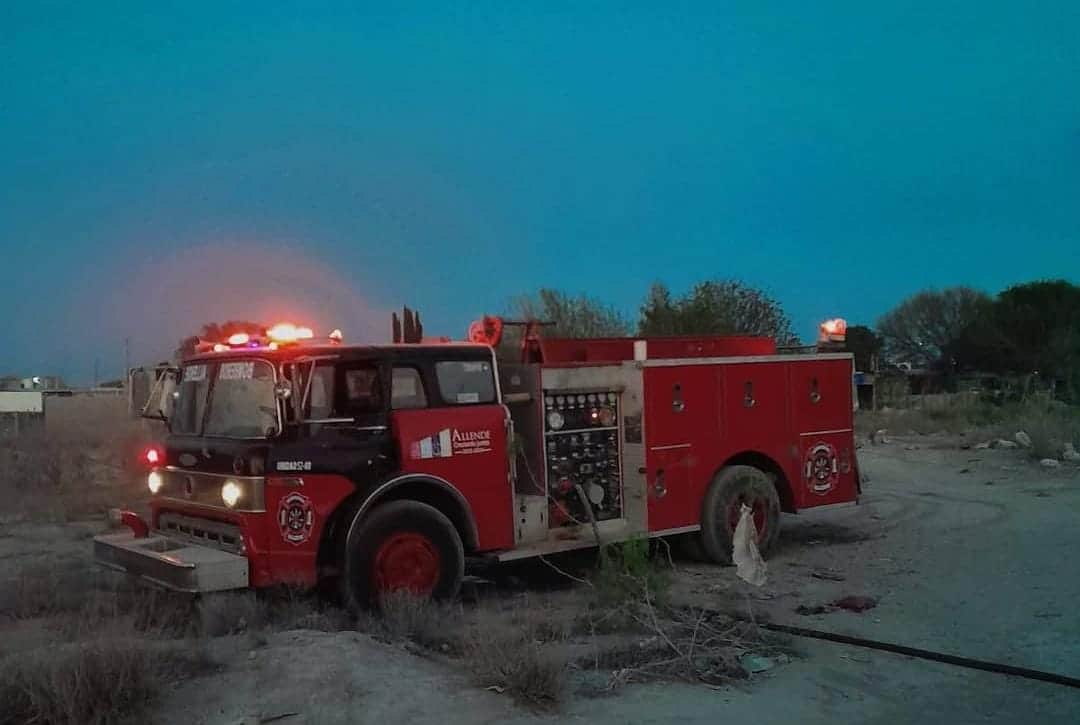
x=407, y=389
x=465, y=382
x=362, y=394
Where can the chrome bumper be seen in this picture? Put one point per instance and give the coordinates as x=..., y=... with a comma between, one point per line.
x=170, y=563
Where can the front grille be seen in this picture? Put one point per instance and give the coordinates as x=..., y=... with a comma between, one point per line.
x=217, y=534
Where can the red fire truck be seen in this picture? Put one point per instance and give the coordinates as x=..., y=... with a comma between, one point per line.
x=299, y=460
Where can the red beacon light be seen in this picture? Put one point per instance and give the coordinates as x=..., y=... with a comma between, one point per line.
x=153, y=455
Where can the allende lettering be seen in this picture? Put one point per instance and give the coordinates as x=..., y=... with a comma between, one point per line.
x=471, y=435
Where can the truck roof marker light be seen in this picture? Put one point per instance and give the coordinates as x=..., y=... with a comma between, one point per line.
x=240, y=338
x=304, y=333
x=152, y=456
x=336, y=336
x=219, y=347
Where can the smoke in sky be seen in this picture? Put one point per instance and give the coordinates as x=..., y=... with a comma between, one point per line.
x=170, y=297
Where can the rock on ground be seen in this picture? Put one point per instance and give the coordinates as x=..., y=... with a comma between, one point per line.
x=1023, y=439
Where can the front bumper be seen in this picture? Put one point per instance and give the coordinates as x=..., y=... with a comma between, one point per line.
x=171, y=563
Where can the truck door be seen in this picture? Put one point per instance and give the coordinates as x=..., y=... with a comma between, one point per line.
x=449, y=423
x=681, y=421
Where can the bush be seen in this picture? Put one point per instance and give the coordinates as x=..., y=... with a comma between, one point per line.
x=96, y=682
x=518, y=663
x=627, y=573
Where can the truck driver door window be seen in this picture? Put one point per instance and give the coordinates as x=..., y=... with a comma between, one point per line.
x=361, y=395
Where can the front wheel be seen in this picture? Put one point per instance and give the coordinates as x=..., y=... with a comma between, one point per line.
x=403, y=546
x=733, y=487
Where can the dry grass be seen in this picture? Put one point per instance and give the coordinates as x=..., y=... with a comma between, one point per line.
x=45, y=589
x=226, y=613
x=526, y=662
x=1049, y=424
x=100, y=681
x=78, y=465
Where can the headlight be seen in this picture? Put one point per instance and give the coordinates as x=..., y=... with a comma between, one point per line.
x=230, y=493
x=155, y=481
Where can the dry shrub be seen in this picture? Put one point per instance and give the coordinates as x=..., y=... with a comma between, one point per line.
x=102, y=681
x=45, y=589
x=1050, y=428
x=680, y=645
x=627, y=572
x=432, y=625
x=131, y=607
x=519, y=663
x=226, y=613
x=1050, y=424
x=77, y=465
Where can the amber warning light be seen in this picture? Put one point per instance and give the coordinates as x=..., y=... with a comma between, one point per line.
x=834, y=330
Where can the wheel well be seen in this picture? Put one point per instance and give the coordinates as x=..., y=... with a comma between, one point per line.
x=776, y=473
x=439, y=498
x=426, y=491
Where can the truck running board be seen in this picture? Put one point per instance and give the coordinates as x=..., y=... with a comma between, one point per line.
x=175, y=565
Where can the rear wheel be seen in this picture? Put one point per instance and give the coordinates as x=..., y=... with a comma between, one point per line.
x=733, y=487
x=403, y=546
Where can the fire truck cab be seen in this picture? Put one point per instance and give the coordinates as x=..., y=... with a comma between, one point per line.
x=390, y=466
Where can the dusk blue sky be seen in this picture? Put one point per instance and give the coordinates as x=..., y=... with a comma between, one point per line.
x=166, y=164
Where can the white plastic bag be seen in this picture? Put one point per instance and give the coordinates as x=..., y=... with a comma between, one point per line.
x=749, y=566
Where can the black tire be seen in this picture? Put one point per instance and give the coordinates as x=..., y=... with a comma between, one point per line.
x=390, y=522
x=691, y=546
x=732, y=485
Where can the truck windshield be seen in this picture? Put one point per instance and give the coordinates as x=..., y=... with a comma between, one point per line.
x=241, y=401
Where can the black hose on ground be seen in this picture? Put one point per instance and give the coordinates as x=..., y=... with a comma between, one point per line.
x=925, y=654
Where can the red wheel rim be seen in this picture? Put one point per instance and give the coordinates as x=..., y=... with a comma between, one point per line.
x=407, y=561
x=760, y=511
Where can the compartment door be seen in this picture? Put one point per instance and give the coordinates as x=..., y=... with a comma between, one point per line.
x=681, y=422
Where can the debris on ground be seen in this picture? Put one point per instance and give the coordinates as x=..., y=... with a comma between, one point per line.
x=749, y=566
x=1050, y=463
x=855, y=603
x=1003, y=443
x=808, y=609
x=879, y=436
x=982, y=446
x=1070, y=453
x=754, y=664
x=1023, y=439
x=828, y=576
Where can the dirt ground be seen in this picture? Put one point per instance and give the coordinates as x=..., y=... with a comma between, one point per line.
x=966, y=552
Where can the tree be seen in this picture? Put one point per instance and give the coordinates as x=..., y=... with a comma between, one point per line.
x=937, y=329
x=866, y=345
x=1039, y=325
x=580, y=316
x=715, y=307
x=217, y=332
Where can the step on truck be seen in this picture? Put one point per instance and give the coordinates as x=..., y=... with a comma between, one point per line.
x=301, y=460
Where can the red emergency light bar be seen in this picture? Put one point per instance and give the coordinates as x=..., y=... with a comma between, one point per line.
x=283, y=333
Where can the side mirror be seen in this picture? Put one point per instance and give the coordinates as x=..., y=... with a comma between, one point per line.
x=162, y=396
